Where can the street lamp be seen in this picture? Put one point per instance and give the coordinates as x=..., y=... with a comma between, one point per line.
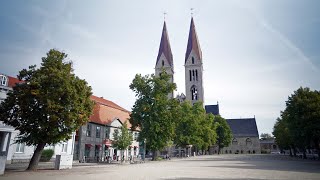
x=144, y=149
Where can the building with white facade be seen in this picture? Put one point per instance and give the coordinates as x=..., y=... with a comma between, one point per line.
x=19, y=152
x=94, y=140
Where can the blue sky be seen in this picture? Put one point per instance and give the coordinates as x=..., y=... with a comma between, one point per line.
x=255, y=53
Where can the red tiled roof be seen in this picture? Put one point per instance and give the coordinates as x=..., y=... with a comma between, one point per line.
x=193, y=43
x=165, y=46
x=13, y=81
x=105, y=111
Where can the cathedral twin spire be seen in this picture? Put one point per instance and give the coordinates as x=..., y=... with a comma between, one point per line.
x=193, y=63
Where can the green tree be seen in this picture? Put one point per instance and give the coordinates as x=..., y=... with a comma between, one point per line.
x=265, y=136
x=208, y=132
x=153, y=112
x=224, y=134
x=281, y=134
x=122, y=138
x=303, y=115
x=49, y=105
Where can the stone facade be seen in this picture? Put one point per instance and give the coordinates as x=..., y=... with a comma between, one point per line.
x=193, y=68
x=164, y=58
x=241, y=145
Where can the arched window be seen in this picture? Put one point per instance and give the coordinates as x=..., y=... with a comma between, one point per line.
x=193, y=76
x=194, y=93
x=248, y=142
x=190, y=75
x=192, y=60
x=162, y=62
x=234, y=141
x=3, y=80
x=196, y=75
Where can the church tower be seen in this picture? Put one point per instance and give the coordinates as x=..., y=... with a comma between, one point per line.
x=193, y=67
x=164, y=58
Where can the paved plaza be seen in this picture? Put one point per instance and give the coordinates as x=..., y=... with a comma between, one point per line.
x=197, y=168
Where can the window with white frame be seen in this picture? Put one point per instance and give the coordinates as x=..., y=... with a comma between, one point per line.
x=3, y=80
x=88, y=130
x=98, y=131
x=64, y=147
x=20, y=148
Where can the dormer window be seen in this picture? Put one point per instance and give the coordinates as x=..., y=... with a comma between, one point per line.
x=162, y=63
x=192, y=60
x=3, y=80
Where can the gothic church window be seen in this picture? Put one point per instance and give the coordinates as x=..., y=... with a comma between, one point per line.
x=193, y=76
x=234, y=141
x=162, y=63
x=248, y=142
x=190, y=74
x=196, y=75
x=194, y=93
x=192, y=60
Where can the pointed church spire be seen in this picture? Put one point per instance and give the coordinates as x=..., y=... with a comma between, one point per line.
x=165, y=48
x=193, y=43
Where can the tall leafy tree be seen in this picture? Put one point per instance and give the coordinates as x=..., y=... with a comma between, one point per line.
x=208, y=132
x=303, y=114
x=224, y=134
x=48, y=105
x=153, y=112
x=122, y=138
x=281, y=134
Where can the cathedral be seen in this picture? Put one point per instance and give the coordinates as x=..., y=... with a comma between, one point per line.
x=245, y=133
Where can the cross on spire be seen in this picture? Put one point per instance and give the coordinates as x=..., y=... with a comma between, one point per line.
x=164, y=16
x=191, y=11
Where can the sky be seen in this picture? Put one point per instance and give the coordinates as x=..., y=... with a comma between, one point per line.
x=255, y=53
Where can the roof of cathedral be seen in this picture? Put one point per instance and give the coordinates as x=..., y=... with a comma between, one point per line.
x=246, y=127
x=193, y=42
x=214, y=109
x=165, y=46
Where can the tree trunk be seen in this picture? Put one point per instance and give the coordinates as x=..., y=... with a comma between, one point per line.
x=294, y=152
x=33, y=165
x=304, y=154
x=290, y=152
x=218, y=150
x=154, y=155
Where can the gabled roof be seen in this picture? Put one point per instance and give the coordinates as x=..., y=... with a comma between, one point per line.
x=193, y=42
x=165, y=46
x=12, y=81
x=214, y=109
x=105, y=112
x=243, y=127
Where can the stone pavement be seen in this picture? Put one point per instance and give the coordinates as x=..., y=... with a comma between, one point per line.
x=197, y=168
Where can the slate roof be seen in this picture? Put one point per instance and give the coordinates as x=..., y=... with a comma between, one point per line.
x=165, y=47
x=193, y=43
x=214, y=109
x=246, y=127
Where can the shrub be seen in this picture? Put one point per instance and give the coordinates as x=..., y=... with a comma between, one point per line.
x=46, y=155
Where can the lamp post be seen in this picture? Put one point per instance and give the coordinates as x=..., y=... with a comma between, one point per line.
x=144, y=149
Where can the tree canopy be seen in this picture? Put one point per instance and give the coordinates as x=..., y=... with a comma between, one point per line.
x=300, y=121
x=122, y=137
x=49, y=104
x=265, y=136
x=153, y=112
x=224, y=134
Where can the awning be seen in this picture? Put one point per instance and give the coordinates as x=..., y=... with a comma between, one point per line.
x=88, y=145
x=107, y=142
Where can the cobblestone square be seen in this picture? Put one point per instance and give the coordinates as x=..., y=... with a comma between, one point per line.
x=197, y=168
